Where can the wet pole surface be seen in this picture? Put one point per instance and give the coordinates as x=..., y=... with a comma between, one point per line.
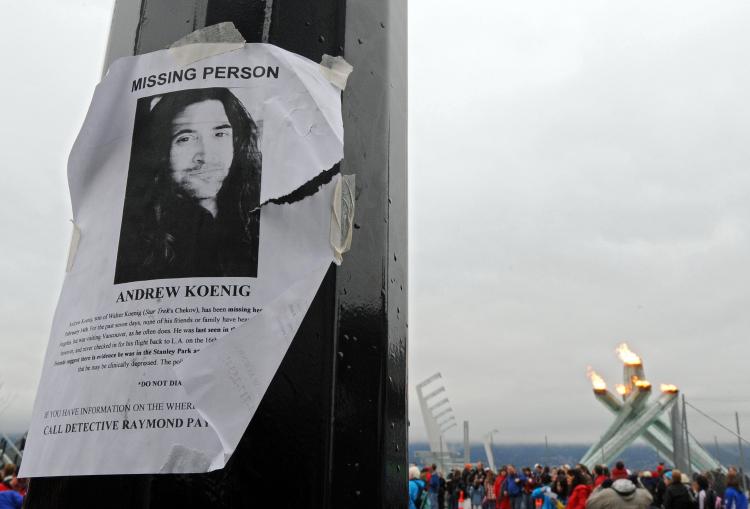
x=331, y=430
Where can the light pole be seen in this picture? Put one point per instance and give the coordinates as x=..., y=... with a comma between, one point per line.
x=489, y=448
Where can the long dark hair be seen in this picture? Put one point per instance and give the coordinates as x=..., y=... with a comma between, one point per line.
x=702, y=481
x=151, y=222
x=578, y=477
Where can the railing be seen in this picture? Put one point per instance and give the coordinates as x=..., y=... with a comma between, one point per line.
x=9, y=453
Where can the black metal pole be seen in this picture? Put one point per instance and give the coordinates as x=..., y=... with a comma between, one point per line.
x=331, y=430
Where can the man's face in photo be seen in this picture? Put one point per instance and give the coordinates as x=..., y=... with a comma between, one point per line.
x=202, y=149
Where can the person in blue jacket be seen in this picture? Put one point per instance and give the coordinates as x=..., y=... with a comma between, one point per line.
x=416, y=486
x=513, y=488
x=434, y=488
x=545, y=493
x=10, y=499
x=734, y=497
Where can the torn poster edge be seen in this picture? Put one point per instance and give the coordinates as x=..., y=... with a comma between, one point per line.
x=309, y=74
x=75, y=239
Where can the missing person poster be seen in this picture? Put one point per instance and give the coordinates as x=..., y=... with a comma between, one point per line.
x=194, y=260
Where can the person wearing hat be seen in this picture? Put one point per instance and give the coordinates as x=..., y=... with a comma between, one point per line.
x=622, y=494
x=648, y=481
x=660, y=469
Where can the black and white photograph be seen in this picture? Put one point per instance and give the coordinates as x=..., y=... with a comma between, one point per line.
x=193, y=190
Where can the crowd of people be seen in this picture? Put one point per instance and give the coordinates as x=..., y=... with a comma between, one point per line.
x=12, y=488
x=566, y=487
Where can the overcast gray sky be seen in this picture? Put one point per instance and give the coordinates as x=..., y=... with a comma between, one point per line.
x=578, y=178
x=53, y=53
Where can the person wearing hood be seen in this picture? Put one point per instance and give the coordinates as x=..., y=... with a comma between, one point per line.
x=580, y=489
x=622, y=494
x=677, y=495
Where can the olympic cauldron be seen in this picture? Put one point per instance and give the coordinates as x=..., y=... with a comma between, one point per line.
x=636, y=417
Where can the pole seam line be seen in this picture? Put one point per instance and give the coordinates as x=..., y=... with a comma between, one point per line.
x=267, y=21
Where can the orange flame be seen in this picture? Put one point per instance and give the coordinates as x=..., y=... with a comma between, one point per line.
x=643, y=384
x=596, y=380
x=627, y=356
x=669, y=388
x=621, y=389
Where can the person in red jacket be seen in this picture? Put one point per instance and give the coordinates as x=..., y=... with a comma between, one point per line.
x=580, y=489
x=619, y=472
x=501, y=501
x=599, y=476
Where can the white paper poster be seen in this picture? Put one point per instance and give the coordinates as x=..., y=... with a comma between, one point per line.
x=189, y=277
